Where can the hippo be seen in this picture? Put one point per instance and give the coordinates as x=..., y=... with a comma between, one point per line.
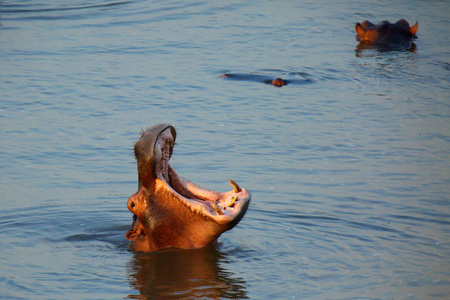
x=277, y=82
x=171, y=211
x=396, y=35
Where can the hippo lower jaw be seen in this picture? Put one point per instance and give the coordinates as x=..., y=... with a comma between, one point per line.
x=224, y=209
x=220, y=207
x=171, y=211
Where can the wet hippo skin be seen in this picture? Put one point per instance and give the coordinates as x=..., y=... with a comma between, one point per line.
x=398, y=34
x=278, y=82
x=171, y=211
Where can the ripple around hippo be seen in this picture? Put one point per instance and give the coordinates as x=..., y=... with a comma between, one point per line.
x=272, y=80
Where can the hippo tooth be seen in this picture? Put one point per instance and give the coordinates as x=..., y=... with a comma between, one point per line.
x=216, y=208
x=232, y=201
x=235, y=186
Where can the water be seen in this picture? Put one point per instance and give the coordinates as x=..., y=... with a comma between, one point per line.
x=349, y=172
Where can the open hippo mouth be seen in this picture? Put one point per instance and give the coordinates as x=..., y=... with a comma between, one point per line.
x=171, y=211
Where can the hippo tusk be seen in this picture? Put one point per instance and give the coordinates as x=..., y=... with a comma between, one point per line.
x=235, y=186
x=216, y=208
x=232, y=201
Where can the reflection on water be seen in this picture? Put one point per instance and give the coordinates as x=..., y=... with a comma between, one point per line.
x=184, y=274
x=364, y=49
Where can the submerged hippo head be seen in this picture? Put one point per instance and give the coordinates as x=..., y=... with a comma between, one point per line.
x=398, y=34
x=170, y=211
x=279, y=82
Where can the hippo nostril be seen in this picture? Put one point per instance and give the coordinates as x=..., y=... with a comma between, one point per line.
x=133, y=204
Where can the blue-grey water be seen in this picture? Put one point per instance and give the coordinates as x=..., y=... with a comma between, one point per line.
x=349, y=171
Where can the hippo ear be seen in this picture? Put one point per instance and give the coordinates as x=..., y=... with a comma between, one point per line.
x=367, y=24
x=361, y=31
x=131, y=235
x=402, y=22
x=413, y=29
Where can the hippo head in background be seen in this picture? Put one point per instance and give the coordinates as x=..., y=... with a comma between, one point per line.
x=279, y=82
x=171, y=211
x=396, y=35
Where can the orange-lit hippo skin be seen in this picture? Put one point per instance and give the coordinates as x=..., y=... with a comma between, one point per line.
x=279, y=82
x=171, y=211
x=397, y=35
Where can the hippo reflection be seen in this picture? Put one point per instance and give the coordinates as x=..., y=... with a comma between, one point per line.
x=397, y=35
x=171, y=211
x=185, y=274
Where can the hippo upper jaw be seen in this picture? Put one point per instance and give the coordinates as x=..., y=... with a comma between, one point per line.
x=172, y=211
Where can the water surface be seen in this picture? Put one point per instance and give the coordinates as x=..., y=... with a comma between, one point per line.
x=349, y=171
